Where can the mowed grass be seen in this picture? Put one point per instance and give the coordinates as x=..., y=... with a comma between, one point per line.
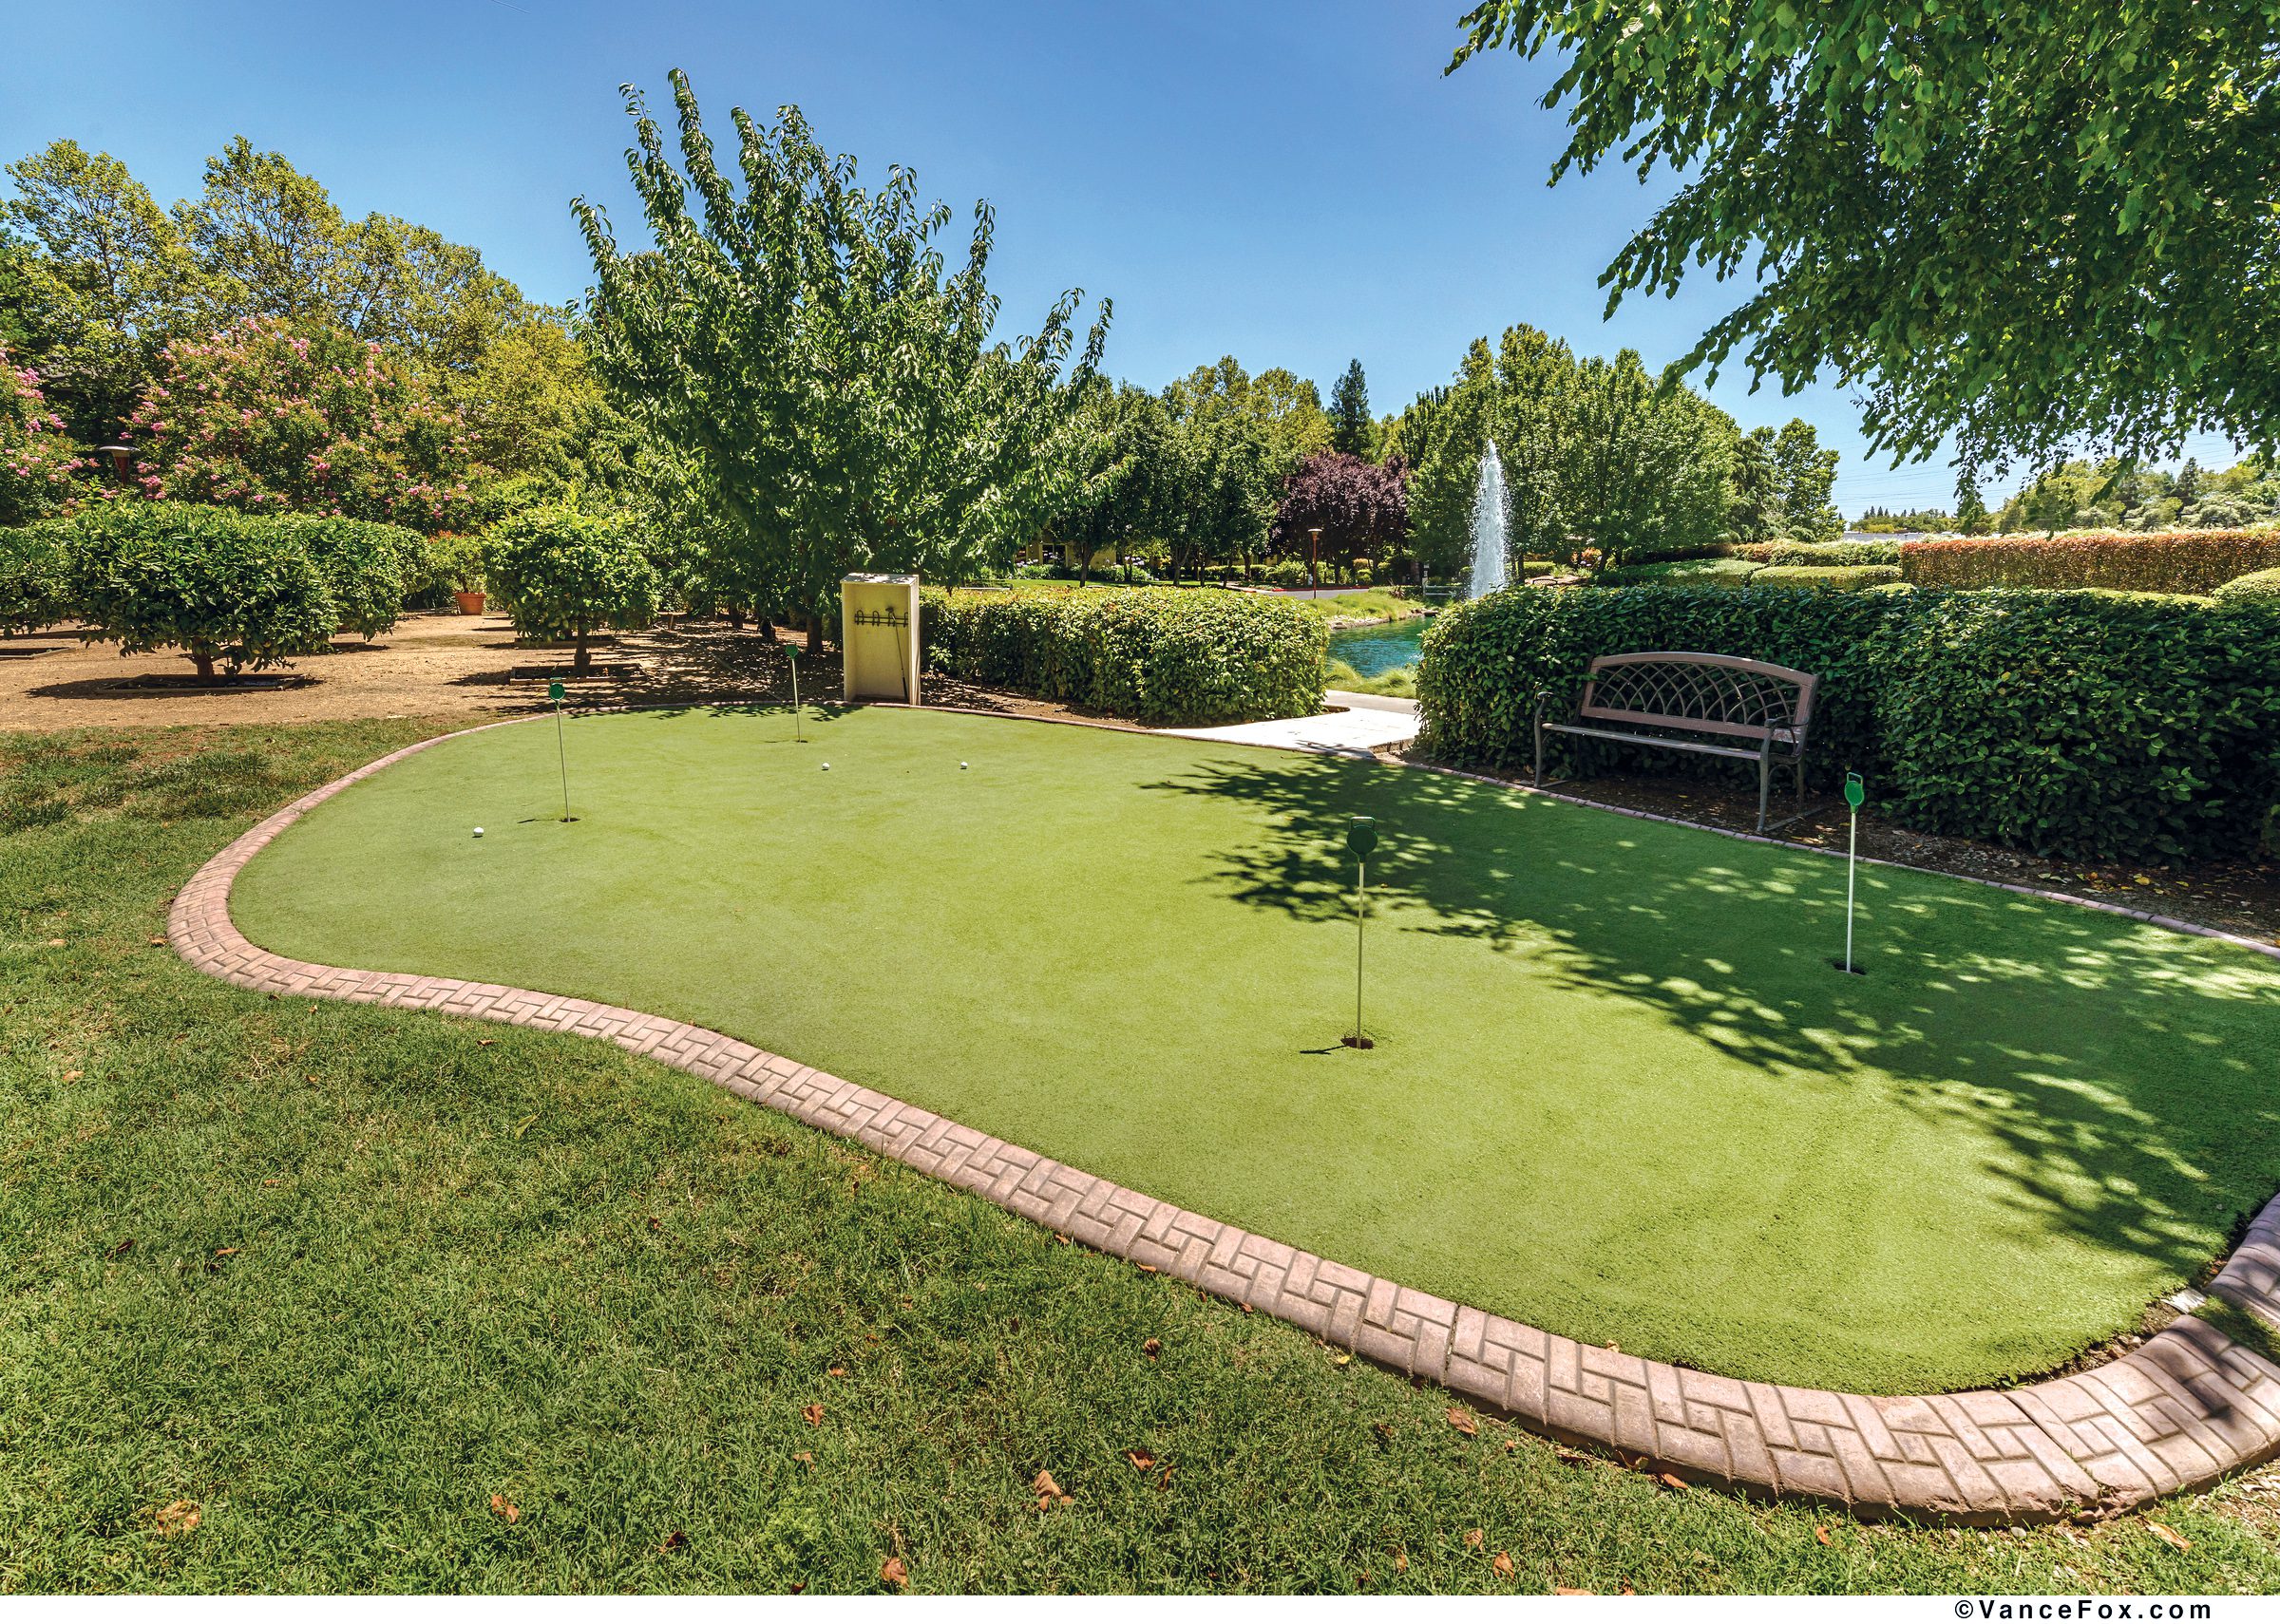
x=330, y=1277
x=1619, y=1091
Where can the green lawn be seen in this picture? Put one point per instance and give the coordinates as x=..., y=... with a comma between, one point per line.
x=336, y=1275
x=1619, y=1091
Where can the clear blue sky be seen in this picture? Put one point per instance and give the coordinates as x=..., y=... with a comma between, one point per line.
x=1290, y=181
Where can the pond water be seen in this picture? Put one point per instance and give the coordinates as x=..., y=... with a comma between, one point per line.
x=1376, y=649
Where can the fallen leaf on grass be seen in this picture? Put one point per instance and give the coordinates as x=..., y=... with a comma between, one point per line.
x=1570, y=1590
x=55, y=941
x=178, y=1516
x=1165, y=1481
x=1140, y=1459
x=484, y=1041
x=893, y=1571
x=1047, y=1491
x=1472, y=1538
x=812, y=1414
x=1572, y=1457
x=157, y=941
x=73, y=1076
x=1627, y=1588
x=505, y=1509
x=1822, y=1535
x=2168, y=1536
x=1503, y=1564
x=836, y=1371
x=122, y=1248
x=805, y=1458
x=1059, y=1237
x=1146, y=1268
x=1463, y=1420
x=1151, y=1347
x=1401, y=1559
x=672, y=1541
x=1670, y=1479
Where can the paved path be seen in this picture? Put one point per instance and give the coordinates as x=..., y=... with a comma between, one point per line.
x=2178, y=1412
x=1367, y=722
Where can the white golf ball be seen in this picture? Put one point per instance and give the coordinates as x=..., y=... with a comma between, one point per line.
x=827, y=767
x=961, y=767
x=479, y=833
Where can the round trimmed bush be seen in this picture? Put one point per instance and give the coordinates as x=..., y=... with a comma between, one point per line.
x=565, y=575
x=369, y=568
x=32, y=590
x=2259, y=586
x=213, y=582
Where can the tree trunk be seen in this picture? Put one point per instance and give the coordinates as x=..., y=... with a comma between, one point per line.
x=203, y=658
x=583, y=661
x=735, y=618
x=815, y=634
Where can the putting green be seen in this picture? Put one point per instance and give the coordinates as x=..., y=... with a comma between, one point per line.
x=1619, y=1091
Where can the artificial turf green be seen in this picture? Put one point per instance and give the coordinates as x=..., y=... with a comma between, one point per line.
x=1619, y=1090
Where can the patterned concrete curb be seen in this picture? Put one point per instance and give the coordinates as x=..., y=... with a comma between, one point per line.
x=2182, y=1411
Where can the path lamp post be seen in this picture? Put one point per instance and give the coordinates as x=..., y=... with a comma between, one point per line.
x=1361, y=840
x=122, y=462
x=1314, y=559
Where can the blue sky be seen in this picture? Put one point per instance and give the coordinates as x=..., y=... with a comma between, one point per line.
x=1292, y=183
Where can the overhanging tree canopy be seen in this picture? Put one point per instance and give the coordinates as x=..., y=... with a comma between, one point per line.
x=2023, y=225
x=797, y=339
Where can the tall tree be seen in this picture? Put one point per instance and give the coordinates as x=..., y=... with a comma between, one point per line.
x=1805, y=472
x=2024, y=226
x=797, y=339
x=1352, y=429
x=1970, y=508
x=1359, y=507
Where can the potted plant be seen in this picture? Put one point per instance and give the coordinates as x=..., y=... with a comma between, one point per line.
x=457, y=560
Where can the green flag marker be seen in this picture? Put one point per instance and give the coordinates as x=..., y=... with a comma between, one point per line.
x=554, y=692
x=1361, y=840
x=1856, y=792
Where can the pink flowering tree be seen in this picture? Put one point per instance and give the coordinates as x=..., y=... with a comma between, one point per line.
x=273, y=418
x=37, y=458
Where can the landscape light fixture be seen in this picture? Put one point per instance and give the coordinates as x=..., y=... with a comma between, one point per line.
x=1314, y=559
x=122, y=462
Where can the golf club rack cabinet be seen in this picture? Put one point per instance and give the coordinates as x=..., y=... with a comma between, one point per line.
x=879, y=637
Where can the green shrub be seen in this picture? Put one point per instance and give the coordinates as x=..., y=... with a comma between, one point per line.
x=1832, y=555
x=213, y=582
x=34, y=592
x=1172, y=657
x=1532, y=569
x=567, y=574
x=1690, y=573
x=1844, y=578
x=2083, y=725
x=2261, y=585
x=454, y=563
x=369, y=568
x=2187, y=562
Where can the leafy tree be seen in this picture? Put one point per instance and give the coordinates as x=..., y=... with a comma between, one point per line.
x=97, y=285
x=1352, y=430
x=218, y=584
x=368, y=569
x=267, y=418
x=1970, y=509
x=1805, y=473
x=563, y=574
x=533, y=407
x=797, y=342
x=2187, y=487
x=1127, y=477
x=37, y=456
x=1359, y=506
x=2026, y=226
x=1284, y=409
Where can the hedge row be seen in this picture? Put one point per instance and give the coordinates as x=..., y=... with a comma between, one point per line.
x=238, y=588
x=1820, y=554
x=2078, y=724
x=2185, y=561
x=1163, y=656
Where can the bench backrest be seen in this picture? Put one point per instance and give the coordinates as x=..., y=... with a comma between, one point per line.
x=1706, y=693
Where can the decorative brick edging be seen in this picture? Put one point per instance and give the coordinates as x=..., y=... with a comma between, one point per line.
x=2180, y=1411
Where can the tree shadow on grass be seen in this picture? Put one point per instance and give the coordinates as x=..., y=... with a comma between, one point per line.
x=2121, y=1071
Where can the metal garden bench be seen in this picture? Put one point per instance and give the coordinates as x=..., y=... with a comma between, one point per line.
x=1659, y=699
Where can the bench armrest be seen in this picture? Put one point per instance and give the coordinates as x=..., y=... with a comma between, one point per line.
x=1567, y=688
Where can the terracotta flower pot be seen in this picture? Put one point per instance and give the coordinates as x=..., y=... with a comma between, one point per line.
x=470, y=603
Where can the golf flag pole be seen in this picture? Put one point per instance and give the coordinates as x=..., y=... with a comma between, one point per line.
x=1856, y=792
x=1361, y=840
x=553, y=692
x=792, y=653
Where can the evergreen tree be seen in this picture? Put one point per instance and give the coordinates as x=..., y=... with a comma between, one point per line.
x=1352, y=429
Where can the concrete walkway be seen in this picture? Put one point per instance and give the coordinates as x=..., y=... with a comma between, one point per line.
x=2184, y=1409
x=1363, y=723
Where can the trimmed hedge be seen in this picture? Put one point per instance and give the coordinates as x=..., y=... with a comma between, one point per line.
x=2186, y=561
x=1164, y=655
x=2261, y=587
x=369, y=568
x=1843, y=578
x=218, y=584
x=1820, y=555
x=33, y=591
x=2070, y=724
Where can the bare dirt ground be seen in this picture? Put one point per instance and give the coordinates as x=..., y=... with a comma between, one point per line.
x=430, y=665
x=454, y=665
